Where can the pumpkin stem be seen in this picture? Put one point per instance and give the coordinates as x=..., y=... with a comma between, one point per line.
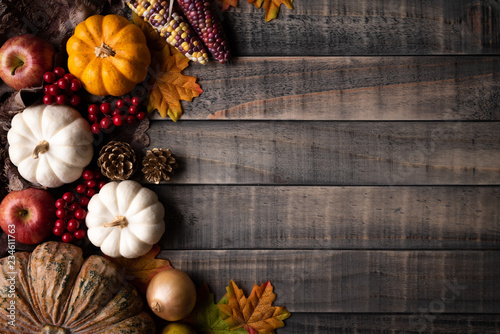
x=104, y=51
x=50, y=329
x=41, y=148
x=120, y=221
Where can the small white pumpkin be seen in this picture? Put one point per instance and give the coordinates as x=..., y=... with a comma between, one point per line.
x=125, y=219
x=50, y=145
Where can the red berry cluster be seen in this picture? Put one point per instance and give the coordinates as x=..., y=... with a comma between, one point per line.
x=71, y=208
x=126, y=111
x=60, y=88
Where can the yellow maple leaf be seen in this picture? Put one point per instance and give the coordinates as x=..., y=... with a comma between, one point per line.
x=272, y=7
x=255, y=313
x=142, y=269
x=170, y=85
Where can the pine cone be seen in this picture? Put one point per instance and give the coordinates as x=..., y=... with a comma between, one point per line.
x=117, y=160
x=158, y=165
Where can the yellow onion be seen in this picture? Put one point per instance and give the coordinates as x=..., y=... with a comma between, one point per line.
x=171, y=294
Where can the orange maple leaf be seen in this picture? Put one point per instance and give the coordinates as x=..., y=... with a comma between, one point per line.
x=272, y=7
x=155, y=42
x=225, y=4
x=255, y=313
x=141, y=270
x=170, y=85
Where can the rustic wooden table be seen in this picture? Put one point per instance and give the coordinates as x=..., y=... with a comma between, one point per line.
x=350, y=154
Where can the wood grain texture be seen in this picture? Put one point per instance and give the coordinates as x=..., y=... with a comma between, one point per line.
x=333, y=153
x=246, y=217
x=355, y=281
x=331, y=323
x=367, y=27
x=348, y=88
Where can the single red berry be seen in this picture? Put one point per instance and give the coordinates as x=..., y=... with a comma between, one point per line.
x=80, y=234
x=48, y=99
x=116, y=112
x=88, y=174
x=92, y=118
x=61, y=99
x=76, y=85
x=120, y=104
x=106, y=123
x=102, y=184
x=131, y=119
x=67, y=237
x=69, y=77
x=80, y=213
x=69, y=197
x=84, y=201
x=105, y=108
x=97, y=175
x=75, y=100
x=59, y=72
x=91, y=183
x=60, y=223
x=136, y=101
x=58, y=231
x=133, y=110
x=95, y=128
x=118, y=120
x=127, y=101
x=90, y=192
x=60, y=203
x=46, y=89
x=62, y=83
x=75, y=206
x=61, y=213
x=54, y=90
x=93, y=109
x=80, y=188
x=141, y=115
x=73, y=225
x=49, y=77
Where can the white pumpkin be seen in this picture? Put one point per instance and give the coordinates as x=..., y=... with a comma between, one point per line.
x=50, y=145
x=125, y=219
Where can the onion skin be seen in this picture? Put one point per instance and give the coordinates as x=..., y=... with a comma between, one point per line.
x=171, y=294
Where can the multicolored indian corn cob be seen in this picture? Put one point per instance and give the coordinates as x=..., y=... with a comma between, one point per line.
x=177, y=31
x=204, y=19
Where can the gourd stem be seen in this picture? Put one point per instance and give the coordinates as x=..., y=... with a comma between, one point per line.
x=120, y=221
x=50, y=329
x=104, y=51
x=41, y=148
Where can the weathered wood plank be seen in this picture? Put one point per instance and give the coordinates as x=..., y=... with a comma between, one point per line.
x=367, y=27
x=355, y=281
x=348, y=88
x=330, y=323
x=246, y=217
x=335, y=153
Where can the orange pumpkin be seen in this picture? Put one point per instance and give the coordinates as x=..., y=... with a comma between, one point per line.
x=108, y=54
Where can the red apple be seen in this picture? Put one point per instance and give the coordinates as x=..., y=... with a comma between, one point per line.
x=28, y=215
x=24, y=59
